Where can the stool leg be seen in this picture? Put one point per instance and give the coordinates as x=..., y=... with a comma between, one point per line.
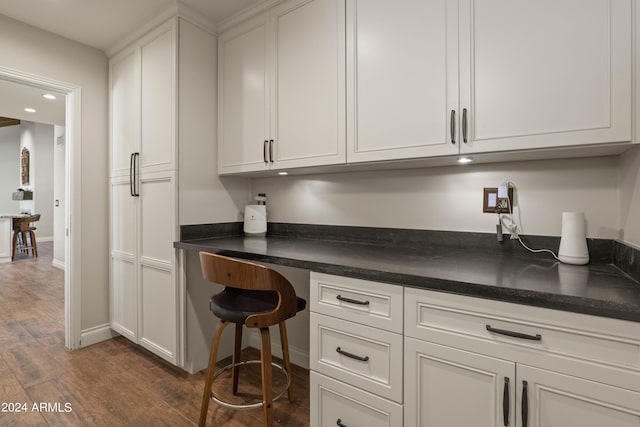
x=14, y=245
x=236, y=357
x=206, y=394
x=34, y=245
x=285, y=356
x=267, y=389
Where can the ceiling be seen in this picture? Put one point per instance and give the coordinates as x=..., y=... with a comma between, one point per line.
x=103, y=23
x=97, y=23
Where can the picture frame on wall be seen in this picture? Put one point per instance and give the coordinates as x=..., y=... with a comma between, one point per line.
x=24, y=166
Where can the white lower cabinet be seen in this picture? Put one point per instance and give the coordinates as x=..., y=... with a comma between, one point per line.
x=356, y=352
x=447, y=387
x=337, y=403
x=470, y=361
x=143, y=292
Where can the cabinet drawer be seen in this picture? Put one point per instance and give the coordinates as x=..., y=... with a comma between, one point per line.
x=370, y=303
x=445, y=318
x=333, y=400
x=365, y=357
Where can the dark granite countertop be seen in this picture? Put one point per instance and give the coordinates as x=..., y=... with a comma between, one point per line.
x=600, y=288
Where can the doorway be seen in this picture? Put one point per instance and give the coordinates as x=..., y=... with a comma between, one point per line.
x=72, y=208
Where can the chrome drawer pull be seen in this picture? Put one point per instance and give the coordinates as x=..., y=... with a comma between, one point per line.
x=352, y=301
x=352, y=356
x=513, y=334
x=339, y=423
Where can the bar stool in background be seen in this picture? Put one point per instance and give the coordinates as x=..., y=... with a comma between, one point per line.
x=256, y=297
x=24, y=236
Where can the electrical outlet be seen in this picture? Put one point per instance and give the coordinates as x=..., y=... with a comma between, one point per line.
x=492, y=203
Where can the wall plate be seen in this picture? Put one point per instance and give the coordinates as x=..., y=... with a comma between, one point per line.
x=491, y=203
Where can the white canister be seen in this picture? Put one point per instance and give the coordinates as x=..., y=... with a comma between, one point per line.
x=255, y=220
x=573, y=241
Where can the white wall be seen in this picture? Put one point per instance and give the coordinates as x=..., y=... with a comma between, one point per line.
x=9, y=167
x=59, y=168
x=450, y=198
x=31, y=50
x=630, y=197
x=204, y=197
x=37, y=138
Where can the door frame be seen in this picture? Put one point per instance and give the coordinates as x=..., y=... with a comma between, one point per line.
x=73, y=205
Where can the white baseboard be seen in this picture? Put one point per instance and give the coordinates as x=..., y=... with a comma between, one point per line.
x=58, y=264
x=96, y=334
x=44, y=239
x=296, y=356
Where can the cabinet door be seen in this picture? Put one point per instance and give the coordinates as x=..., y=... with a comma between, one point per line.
x=447, y=387
x=157, y=282
x=545, y=73
x=556, y=400
x=308, y=83
x=158, y=133
x=123, y=280
x=243, y=97
x=402, y=66
x=124, y=110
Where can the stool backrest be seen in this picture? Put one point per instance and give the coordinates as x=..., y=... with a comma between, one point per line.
x=247, y=275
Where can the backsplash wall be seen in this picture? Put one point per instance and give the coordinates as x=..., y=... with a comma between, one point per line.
x=450, y=198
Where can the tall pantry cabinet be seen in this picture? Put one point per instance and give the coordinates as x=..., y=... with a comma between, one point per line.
x=145, y=115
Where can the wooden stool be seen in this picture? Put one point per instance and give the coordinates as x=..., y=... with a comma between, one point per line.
x=24, y=232
x=256, y=297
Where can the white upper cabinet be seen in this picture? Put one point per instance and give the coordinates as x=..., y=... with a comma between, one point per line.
x=546, y=73
x=402, y=71
x=124, y=102
x=282, y=89
x=462, y=76
x=142, y=104
x=157, y=138
x=243, y=96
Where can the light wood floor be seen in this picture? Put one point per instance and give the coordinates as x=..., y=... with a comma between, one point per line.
x=113, y=383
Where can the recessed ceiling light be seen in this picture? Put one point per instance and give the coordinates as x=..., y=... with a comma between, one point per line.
x=30, y=110
x=283, y=173
x=465, y=160
x=49, y=96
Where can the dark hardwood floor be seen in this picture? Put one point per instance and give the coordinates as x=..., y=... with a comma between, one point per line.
x=113, y=383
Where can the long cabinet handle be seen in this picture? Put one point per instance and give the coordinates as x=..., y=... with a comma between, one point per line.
x=339, y=423
x=131, y=176
x=352, y=356
x=464, y=125
x=271, y=150
x=513, y=334
x=351, y=301
x=525, y=405
x=453, y=126
x=264, y=151
x=505, y=402
x=136, y=172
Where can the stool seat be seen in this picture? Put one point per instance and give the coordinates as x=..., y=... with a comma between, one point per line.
x=235, y=305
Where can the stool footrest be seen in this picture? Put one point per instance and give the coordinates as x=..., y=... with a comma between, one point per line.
x=229, y=405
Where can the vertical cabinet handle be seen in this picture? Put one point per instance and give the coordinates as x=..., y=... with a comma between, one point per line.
x=525, y=405
x=505, y=402
x=136, y=167
x=264, y=151
x=271, y=150
x=339, y=423
x=464, y=125
x=131, y=176
x=453, y=126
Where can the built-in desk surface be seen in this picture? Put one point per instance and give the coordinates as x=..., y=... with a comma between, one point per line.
x=599, y=288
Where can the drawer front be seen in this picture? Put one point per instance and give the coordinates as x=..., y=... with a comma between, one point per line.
x=333, y=401
x=369, y=303
x=434, y=315
x=359, y=355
